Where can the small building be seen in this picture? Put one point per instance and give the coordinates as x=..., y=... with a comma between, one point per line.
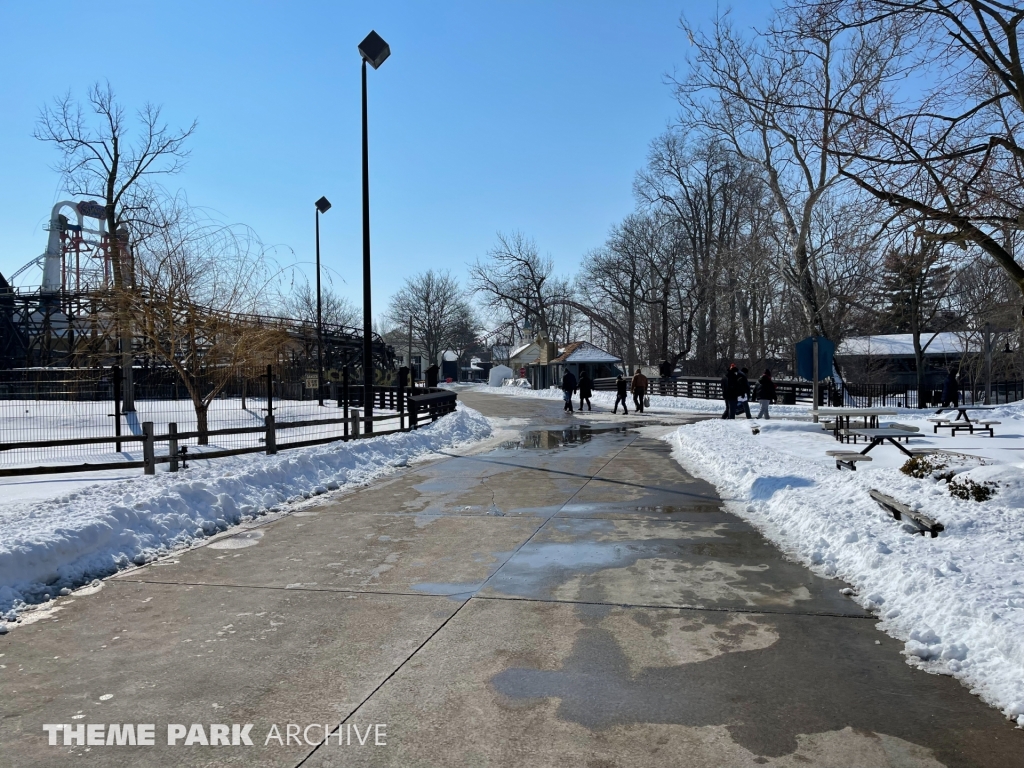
x=530, y=361
x=889, y=358
x=580, y=356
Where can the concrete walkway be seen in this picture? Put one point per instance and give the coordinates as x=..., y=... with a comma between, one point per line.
x=572, y=598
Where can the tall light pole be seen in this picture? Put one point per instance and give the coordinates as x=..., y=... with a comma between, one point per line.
x=373, y=51
x=322, y=206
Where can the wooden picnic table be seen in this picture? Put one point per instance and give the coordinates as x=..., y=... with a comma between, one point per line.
x=879, y=436
x=843, y=416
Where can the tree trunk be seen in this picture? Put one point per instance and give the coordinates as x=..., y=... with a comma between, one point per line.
x=202, y=424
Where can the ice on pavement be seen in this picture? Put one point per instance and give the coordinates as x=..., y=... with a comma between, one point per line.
x=69, y=538
x=957, y=601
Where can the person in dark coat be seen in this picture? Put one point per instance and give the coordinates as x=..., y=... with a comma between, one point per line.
x=620, y=394
x=568, y=390
x=743, y=395
x=730, y=391
x=586, y=387
x=951, y=390
x=638, y=386
x=764, y=393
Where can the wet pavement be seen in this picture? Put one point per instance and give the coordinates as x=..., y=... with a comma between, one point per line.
x=568, y=597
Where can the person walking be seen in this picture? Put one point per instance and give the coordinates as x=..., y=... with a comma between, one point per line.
x=620, y=395
x=764, y=393
x=743, y=398
x=951, y=390
x=568, y=390
x=638, y=386
x=730, y=391
x=586, y=387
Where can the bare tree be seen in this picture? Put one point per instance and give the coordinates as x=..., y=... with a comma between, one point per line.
x=435, y=306
x=786, y=100
x=516, y=284
x=100, y=157
x=953, y=152
x=300, y=304
x=198, y=301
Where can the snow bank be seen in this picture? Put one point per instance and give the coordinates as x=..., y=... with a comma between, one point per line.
x=66, y=541
x=957, y=600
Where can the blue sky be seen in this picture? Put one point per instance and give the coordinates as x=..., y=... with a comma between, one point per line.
x=488, y=116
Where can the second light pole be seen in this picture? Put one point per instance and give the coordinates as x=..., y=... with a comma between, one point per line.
x=322, y=206
x=373, y=51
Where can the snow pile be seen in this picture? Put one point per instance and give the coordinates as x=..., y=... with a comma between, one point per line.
x=66, y=541
x=956, y=600
x=520, y=384
x=498, y=374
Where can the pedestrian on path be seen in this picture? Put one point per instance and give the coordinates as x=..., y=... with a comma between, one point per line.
x=951, y=390
x=620, y=395
x=639, y=389
x=568, y=390
x=764, y=393
x=586, y=387
x=730, y=391
x=743, y=397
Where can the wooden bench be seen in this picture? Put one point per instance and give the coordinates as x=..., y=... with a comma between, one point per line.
x=938, y=422
x=847, y=459
x=899, y=510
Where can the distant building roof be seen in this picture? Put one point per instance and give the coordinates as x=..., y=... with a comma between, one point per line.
x=901, y=344
x=585, y=352
x=520, y=350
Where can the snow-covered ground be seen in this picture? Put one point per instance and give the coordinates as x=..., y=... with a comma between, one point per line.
x=957, y=600
x=59, y=533
x=36, y=420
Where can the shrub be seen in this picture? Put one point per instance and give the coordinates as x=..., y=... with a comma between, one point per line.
x=922, y=467
x=966, y=488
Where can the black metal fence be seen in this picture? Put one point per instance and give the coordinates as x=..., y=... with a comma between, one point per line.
x=799, y=391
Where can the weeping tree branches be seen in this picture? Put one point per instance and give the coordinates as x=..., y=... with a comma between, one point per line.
x=200, y=284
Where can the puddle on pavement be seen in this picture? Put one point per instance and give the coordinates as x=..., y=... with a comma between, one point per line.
x=548, y=439
x=242, y=540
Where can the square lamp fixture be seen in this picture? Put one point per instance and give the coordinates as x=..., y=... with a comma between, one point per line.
x=374, y=49
x=323, y=205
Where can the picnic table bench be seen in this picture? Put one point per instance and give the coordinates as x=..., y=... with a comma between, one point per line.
x=962, y=422
x=892, y=434
x=899, y=510
x=848, y=459
x=841, y=417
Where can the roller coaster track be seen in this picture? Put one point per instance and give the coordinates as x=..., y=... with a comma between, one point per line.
x=64, y=328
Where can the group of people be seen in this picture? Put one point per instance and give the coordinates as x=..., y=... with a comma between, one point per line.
x=585, y=386
x=736, y=393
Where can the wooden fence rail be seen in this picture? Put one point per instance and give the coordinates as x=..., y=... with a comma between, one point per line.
x=407, y=408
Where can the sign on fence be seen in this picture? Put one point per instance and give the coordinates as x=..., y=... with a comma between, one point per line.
x=312, y=381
